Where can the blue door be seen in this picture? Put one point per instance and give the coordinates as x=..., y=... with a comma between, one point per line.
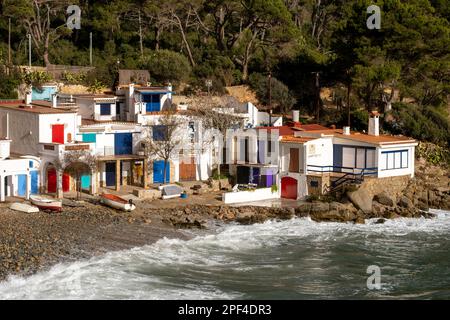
x=123, y=143
x=158, y=172
x=34, y=182
x=110, y=174
x=86, y=182
x=22, y=185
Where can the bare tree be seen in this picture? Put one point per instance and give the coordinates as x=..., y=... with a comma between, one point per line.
x=78, y=163
x=219, y=117
x=36, y=17
x=163, y=138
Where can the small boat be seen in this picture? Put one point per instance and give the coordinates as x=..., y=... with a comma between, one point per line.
x=46, y=204
x=23, y=207
x=117, y=202
x=171, y=191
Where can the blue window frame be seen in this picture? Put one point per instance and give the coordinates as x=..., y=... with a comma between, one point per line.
x=160, y=133
x=394, y=160
x=105, y=109
x=152, y=101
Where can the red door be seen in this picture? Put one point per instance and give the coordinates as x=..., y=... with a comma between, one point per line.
x=51, y=181
x=289, y=188
x=58, y=133
x=66, y=182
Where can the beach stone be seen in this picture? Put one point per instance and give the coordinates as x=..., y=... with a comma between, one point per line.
x=244, y=217
x=384, y=199
x=361, y=200
x=405, y=202
x=380, y=221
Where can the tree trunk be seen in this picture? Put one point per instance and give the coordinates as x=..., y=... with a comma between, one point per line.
x=157, y=38
x=164, y=171
x=185, y=41
x=248, y=54
x=45, y=56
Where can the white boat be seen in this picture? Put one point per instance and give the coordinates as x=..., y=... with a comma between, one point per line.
x=46, y=203
x=23, y=207
x=171, y=191
x=117, y=202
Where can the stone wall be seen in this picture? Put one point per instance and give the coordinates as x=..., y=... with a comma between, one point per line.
x=318, y=184
x=394, y=186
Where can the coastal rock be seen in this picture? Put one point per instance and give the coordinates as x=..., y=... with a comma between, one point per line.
x=384, y=199
x=360, y=220
x=405, y=203
x=361, y=200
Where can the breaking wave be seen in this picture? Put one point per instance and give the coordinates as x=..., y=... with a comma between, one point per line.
x=296, y=259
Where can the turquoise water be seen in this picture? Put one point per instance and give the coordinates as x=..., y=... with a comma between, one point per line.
x=296, y=259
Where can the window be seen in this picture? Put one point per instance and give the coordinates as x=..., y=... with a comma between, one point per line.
x=105, y=109
x=153, y=102
x=160, y=133
x=393, y=160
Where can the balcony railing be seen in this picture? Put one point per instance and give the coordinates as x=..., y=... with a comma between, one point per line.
x=347, y=170
x=105, y=151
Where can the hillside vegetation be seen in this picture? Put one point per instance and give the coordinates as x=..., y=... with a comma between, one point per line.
x=305, y=45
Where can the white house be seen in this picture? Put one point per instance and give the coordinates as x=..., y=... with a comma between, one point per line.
x=137, y=103
x=312, y=159
x=253, y=118
x=44, y=131
x=19, y=175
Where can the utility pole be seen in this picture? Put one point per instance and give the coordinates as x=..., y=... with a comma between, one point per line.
x=90, y=48
x=140, y=35
x=317, y=84
x=29, y=50
x=270, y=98
x=9, y=42
x=349, y=89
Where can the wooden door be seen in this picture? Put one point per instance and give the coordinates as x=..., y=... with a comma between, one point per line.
x=294, y=165
x=188, y=170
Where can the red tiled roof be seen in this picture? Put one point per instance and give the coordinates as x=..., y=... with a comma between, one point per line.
x=282, y=131
x=301, y=140
x=33, y=108
x=363, y=137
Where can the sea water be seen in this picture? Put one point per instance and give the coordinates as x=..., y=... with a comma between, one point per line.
x=295, y=259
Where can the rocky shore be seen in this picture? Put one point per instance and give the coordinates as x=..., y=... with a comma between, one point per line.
x=30, y=242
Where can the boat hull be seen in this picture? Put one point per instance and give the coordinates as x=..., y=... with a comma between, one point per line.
x=117, y=203
x=47, y=204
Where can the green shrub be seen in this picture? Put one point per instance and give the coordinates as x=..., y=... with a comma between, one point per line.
x=421, y=123
x=282, y=98
x=433, y=154
x=274, y=188
x=168, y=66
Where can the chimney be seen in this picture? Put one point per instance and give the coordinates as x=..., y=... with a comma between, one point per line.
x=374, y=124
x=296, y=115
x=170, y=88
x=29, y=95
x=54, y=100
x=346, y=131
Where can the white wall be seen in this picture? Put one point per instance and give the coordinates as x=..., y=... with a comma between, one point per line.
x=396, y=172
x=250, y=196
x=23, y=131
x=69, y=120
x=319, y=152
